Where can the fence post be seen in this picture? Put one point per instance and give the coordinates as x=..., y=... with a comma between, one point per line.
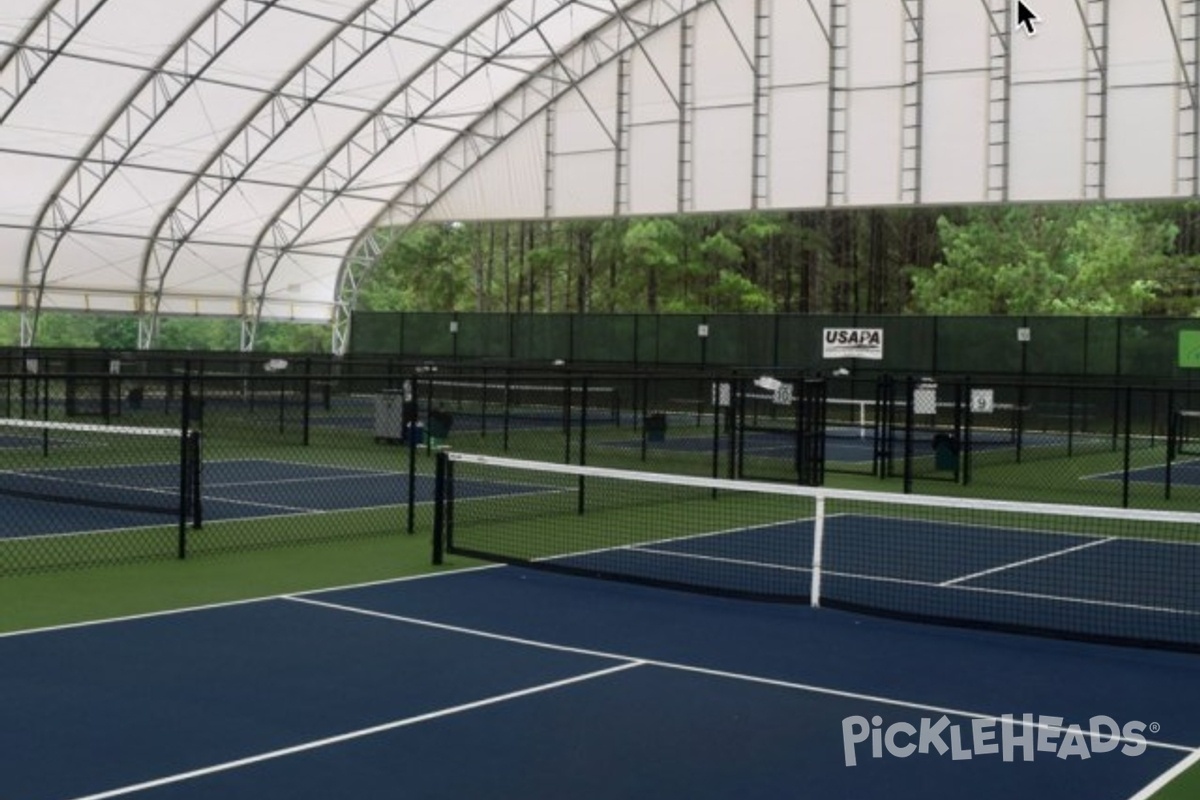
x=185, y=484
x=439, y=508
x=1128, y=445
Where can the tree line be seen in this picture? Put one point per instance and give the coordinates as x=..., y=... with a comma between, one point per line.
x=1128, y=259
x=1104, y=259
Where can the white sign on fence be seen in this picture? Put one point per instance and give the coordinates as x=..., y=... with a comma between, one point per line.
x=853, y=343
x=924, y=398
x=983, y=401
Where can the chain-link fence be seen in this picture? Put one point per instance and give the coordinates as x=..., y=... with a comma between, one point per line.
x=162, y=456
x=1052, y=348
x=131, y=464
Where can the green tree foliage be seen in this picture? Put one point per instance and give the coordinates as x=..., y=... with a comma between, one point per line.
x=1082, y=260
x=652, y=261
x=1085, y=260
x=426, y=269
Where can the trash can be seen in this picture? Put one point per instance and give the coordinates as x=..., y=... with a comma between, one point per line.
x=440, y=423
x=945, y=452
x=656, y=427
x=390, y=421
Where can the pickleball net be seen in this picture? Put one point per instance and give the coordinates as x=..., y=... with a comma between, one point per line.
x=1098, y=574
x=145, y=470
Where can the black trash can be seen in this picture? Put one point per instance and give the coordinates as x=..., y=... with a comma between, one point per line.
x=945, y=452
x=656, y=427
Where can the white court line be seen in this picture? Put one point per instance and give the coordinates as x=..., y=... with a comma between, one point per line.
x=736, y=562
x=1117, y=473
x=1171, y=774
x=42, y=537
x=955, y=583
x=648, y=547
x=301, y=510
x=171, y=612
x=629, y=662
x=1025, y=562
x=50, y=478
x=716, y=673
x=859, y=576
x=358, y=734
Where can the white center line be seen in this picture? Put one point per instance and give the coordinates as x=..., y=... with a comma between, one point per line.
x=1026, y=562
x=358, y=734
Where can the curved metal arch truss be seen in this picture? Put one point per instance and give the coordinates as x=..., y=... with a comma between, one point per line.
x=369, y=27
x=254, y=158
x=413, y=104
x=563, y=73
x=151, y=98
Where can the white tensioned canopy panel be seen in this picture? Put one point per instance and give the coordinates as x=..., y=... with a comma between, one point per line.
x=252, y=158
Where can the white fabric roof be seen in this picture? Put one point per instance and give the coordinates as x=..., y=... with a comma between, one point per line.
x=223, y=157
x=251, y=158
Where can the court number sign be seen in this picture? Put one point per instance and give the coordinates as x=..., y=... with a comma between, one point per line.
x=983, y=401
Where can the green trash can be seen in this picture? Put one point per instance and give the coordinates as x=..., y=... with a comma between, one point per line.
x=945, y=452
x=438, y=430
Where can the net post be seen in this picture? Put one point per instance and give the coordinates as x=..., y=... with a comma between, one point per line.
x=507, y=400
x=1021, y=403
x=46, y=415
x=483, y=400
x=283, y=383
x=583, y=409
x=716, y=430
x=823, y=429
x=584, y=389
x=195, y=445
x=737, y=432
x=439, y=507
x=1128, y=454
x=306, y=415
x=409, y=428
x=449, y=520
x=1116, y=415
x=645, y=386
x=909, y=421
x=413, y=445
x=964, y=445
x=1070, y=420
x=185, y=481
x=881, y=427
x=961, y=409
x=566, y=419
x=1172, y=438
x=818, y=551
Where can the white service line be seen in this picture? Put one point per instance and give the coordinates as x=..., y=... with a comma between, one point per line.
x=1159, y=783
x=358, y=734
x=1026, y=562
x=717, y=673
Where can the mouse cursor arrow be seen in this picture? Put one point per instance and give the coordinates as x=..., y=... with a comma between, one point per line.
x=1026, y=18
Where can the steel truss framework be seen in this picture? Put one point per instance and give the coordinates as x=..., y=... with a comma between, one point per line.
x=254, y=158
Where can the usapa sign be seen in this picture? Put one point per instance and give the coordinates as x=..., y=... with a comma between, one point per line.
x=853, y=343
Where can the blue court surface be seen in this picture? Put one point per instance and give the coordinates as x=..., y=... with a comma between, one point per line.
x=234, y=489
x=755, y=444
x=508, y=683
x=840, y=446
x=1078, y=584
x=1183, y=473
